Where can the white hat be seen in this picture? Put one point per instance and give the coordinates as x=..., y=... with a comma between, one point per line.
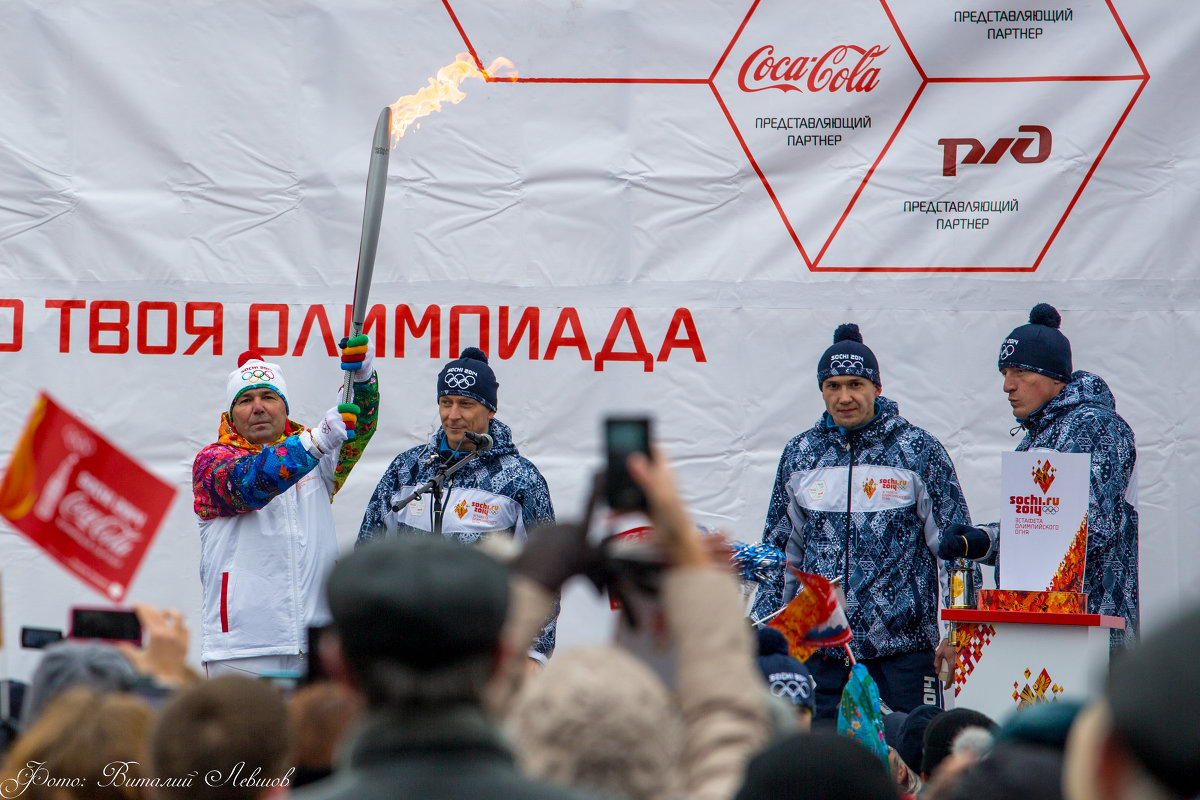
x=254, y=373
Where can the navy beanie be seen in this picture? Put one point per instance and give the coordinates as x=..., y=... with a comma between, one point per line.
x=911, y=746
x=1039, y=346
x=848, y=356
x=944, y=728
x=469, y=376
x=825, y=765
x=786, y=677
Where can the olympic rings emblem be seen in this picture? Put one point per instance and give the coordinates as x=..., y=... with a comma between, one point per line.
x=853, y=366
x=458, y=380
x=791, y=688
x=1007, y=350
x=258, y=374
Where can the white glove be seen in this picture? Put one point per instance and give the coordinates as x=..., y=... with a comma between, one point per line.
x=329, y=435
x=358, y=354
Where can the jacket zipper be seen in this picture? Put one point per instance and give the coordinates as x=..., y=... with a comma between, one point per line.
x=849, y=518
x=849, y=523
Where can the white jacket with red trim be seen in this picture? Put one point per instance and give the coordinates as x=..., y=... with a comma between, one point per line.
x=262, y=574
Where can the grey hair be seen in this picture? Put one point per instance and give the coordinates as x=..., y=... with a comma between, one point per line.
x=599, y=718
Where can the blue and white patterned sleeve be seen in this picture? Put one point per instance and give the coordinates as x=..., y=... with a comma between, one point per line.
x=776, y=532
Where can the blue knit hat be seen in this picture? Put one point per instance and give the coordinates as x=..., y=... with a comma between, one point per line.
x=1039, y=346
x=469, y=376
x=848, y=356
x=786, y=676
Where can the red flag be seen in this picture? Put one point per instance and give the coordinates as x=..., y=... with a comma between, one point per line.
x=80, y=499
x=638, y=536
x=814, y=618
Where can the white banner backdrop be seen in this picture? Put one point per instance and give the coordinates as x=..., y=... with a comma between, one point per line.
x=741, y=176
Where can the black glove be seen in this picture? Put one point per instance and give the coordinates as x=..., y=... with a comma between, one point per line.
x=554, y=553
x=963, y=541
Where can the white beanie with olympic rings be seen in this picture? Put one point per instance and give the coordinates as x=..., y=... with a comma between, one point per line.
x=254, y=373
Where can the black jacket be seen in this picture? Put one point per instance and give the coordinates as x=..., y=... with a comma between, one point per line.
x=456, y=754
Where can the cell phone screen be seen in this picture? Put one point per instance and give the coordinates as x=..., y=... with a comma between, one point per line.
x=37, y=638
x=315, y=671
x=110, y=625
x=623, y=437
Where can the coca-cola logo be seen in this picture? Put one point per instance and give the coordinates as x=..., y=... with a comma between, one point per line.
x=105, y=530
x=844, y=67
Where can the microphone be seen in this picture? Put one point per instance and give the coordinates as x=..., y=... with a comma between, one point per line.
x=482, y=441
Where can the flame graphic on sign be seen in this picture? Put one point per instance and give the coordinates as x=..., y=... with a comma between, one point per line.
x=1043, y=475
x=1044, y=690
x=17, y=493
x=444, y=88
x=461, y=509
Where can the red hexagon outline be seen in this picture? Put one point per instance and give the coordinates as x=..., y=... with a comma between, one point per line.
x=813, y=264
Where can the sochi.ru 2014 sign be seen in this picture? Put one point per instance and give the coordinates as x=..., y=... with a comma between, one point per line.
x=80, y=499
x=1043, y=520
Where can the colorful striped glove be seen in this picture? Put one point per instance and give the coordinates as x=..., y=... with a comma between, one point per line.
x=358, y=356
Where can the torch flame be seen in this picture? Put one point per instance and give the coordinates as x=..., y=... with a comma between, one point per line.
x=444, y=88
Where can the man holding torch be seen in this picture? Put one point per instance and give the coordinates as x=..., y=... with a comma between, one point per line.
x=262, y=497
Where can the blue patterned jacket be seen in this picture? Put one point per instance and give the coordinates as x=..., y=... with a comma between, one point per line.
x=497, y=492
x=1083, y=418
x=867, y=505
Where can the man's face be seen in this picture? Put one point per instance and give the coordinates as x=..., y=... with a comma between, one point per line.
x=259, y=415
x=1083, y=761
x=462, y=414
x=1028, y=391
x=850, y=400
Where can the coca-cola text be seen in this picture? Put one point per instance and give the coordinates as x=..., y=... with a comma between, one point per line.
x=831, y=72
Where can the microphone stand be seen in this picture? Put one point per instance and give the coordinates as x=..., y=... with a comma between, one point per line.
x=435, y=486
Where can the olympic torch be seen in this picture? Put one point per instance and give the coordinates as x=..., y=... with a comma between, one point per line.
x=372, y=215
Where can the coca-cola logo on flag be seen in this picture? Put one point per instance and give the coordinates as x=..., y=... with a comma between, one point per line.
x=85, y=503
x=842, y=68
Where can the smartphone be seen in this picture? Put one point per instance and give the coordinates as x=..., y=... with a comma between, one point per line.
x=112, y=625
x=315, y=671
x=37, y=638
x=12, y=699
x=624, y=436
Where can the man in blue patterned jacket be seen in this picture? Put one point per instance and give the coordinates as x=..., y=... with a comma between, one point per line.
x=863, y=496
x=1072, y=412
x=498, y=491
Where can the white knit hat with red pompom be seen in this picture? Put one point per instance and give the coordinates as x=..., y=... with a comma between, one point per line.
x=254, y=373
